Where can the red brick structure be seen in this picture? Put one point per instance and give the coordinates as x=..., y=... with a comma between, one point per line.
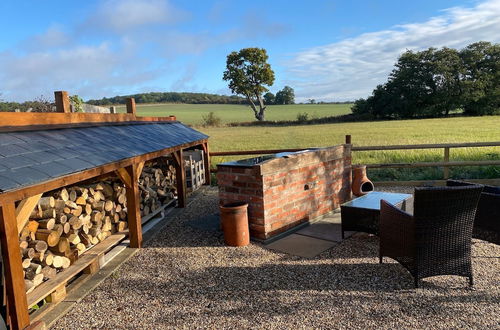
x=284, y=192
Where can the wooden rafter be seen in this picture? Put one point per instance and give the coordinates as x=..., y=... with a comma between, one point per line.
x=24, y=209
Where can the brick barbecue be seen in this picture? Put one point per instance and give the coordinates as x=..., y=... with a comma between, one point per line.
x=287, y=189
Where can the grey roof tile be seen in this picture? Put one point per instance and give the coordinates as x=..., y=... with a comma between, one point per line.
x=6, y=183
x=8, y=138
x=7, y=150
x=27, y=175
x=54, y=169
x=44, y=156
x=16, y=162
x=50, y=153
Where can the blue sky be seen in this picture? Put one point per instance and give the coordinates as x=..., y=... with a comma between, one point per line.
x=326, y=50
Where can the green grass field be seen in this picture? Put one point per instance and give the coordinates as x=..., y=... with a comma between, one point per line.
x=442, y=130
x=192, y=113
x=447, y=130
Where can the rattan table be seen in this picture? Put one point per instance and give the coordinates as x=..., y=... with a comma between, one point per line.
x=362, y=213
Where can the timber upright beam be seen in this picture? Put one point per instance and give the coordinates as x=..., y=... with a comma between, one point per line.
x=17, y=304
x=180, y=177
x=130, y=177
x=131, y=106
x=206, y=161
x=62, y=101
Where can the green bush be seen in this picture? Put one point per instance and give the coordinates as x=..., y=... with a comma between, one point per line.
x=211, y=120
x=302, y=117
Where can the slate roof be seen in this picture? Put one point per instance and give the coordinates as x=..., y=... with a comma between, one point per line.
x=32, y=157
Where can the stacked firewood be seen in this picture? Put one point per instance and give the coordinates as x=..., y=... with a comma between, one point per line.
x=66, y=223
x=157, y=186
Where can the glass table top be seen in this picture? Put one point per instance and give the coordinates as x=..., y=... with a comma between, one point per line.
x=372, y=200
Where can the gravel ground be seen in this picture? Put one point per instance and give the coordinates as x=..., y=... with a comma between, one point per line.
x=187, y=278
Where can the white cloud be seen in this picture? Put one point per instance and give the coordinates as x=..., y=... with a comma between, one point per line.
x=84, y=70
x=122, y=15
x=352, y=68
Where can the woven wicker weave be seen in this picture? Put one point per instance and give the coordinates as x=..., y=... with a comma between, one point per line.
x=488, y=209
x=436, y=240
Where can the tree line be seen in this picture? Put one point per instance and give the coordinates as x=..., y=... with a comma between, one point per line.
x=172, y=97
x=437, y=82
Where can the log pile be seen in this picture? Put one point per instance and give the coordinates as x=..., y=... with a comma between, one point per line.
x=65, y=223
x=157, y=185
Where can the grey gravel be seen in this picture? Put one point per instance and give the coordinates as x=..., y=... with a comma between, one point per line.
x=186, y=278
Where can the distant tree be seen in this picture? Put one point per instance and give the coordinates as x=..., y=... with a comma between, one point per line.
x=435, y=82
x=285, y=96
x=269, y=98
x=248, y=72
x=481, y=81
x=311, y=101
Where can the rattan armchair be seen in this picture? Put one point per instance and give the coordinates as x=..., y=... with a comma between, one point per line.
x=436, y=239
x=488, y=209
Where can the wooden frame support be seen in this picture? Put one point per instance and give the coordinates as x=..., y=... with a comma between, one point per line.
x=62, y=101
x=14, y=278
x=206, y=161
x=133, y=203
x=131, y=106
x=180, y=177
x=24, y=209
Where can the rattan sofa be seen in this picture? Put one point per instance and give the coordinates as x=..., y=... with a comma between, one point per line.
x=436, y=239
x=488, y=209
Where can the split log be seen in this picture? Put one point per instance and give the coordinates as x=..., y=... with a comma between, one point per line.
x=39, y=245
x=49, y=236
x=43, y=214
x=26, y=263
x=46, y=202
x=47, y=223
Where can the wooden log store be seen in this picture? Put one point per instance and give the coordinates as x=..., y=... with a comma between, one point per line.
x=74, y=185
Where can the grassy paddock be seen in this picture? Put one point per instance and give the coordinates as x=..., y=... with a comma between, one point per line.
x=447, y=130
x=192, y=113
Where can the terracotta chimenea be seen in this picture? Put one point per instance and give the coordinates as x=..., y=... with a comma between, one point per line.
x=361, y=185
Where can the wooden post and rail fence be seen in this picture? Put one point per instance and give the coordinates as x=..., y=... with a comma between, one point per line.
x=446, y=163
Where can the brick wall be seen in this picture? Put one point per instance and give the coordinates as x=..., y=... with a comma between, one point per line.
x=285, y=192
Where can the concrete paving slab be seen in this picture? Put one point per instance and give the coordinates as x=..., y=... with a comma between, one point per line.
x=325, y=230
x=300, y=245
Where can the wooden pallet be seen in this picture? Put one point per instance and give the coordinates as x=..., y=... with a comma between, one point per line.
x=88, y=263
x=195, y=169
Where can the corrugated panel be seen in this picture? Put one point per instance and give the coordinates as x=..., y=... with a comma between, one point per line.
x=27, y=158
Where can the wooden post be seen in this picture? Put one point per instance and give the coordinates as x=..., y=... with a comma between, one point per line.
x=131, y=106
x=446, y=169
x=133, y=210
x=180, y=177
x=14, y=279
x=347, y=139
x=206, y=160
x=62, y=101
x=112, y=109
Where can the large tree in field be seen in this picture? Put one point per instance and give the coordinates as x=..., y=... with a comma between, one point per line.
x=285, y=96
x=248, y=72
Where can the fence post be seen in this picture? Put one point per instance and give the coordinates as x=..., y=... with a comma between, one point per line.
x=348, y=139
x=446, y=169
